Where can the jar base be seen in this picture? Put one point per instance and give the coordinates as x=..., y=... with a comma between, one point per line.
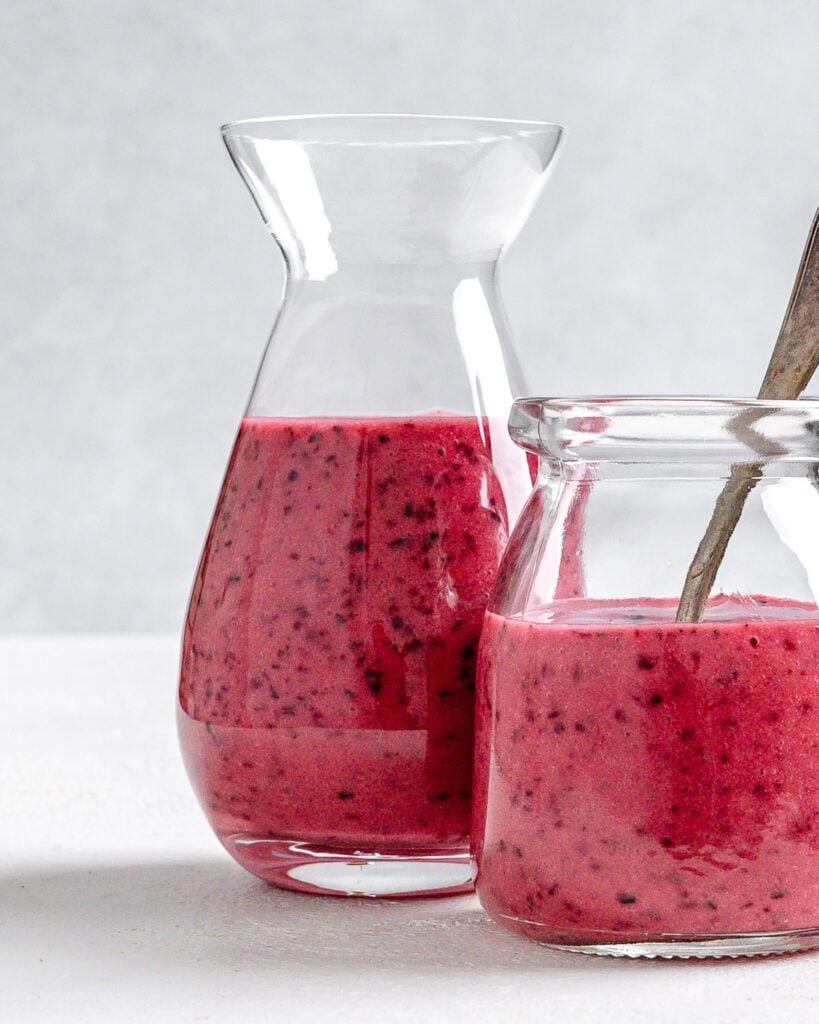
x=678, y=946
x=351, y=871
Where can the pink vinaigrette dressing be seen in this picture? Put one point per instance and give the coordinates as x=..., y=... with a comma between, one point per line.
x=644, y=777
x=329, y=654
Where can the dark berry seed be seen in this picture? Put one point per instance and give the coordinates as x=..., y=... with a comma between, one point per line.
x=656, y=699
x=345, y=794
x=645, y=662
x=293, y=475
x=778, y=894
x=626, y=898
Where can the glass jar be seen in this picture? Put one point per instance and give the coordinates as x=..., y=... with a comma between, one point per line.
x=642, y=786
x=327, y=685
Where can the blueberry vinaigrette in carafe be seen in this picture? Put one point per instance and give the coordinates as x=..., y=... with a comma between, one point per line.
x=327, y=688
x=344, y=584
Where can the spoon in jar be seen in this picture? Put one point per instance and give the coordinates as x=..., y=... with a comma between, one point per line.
x=793, y=362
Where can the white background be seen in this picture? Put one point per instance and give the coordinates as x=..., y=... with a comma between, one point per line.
x=137, y=288
x=138, y=284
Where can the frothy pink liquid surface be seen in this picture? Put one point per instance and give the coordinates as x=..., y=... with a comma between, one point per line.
x=329, y=654
x=646, y=778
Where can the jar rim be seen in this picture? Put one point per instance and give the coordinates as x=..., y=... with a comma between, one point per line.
x=671, y=403
x=667, y=428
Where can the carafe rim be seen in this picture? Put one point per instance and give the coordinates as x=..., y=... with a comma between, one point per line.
x=514, y=127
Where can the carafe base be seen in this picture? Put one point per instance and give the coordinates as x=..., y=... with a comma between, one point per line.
x=335, y=871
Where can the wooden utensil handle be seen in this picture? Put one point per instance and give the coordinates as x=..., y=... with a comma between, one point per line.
x=792, y=364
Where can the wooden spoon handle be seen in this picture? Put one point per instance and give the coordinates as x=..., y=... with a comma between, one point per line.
x=796, y=353
x=703, y=569
x=792, y=364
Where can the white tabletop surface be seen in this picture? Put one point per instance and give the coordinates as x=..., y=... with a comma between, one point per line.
x=117, y=904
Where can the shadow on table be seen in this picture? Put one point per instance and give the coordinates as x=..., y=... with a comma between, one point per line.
x=195, y=917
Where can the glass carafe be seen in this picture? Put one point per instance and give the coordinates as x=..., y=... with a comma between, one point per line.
x=327, y=686
x=646, y=787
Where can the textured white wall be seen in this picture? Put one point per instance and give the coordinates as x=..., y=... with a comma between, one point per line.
x=138, y=285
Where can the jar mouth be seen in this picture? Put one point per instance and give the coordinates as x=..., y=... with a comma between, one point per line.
x=670, y=428
x=388, y=129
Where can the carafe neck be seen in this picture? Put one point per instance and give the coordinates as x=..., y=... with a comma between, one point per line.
x=391, y=190
x=412, y=283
